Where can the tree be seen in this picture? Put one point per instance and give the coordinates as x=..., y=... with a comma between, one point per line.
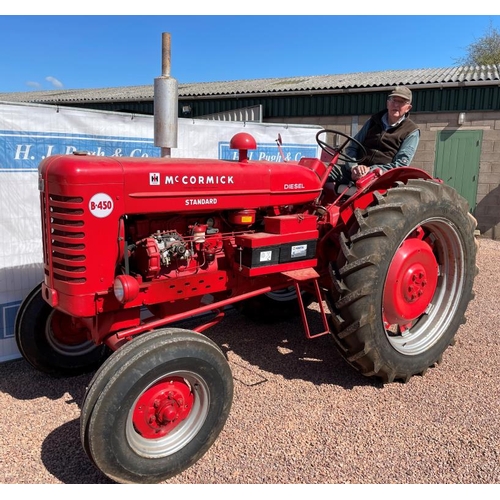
x=484, y=51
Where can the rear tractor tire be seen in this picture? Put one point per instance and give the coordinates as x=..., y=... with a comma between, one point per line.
x=403, y=280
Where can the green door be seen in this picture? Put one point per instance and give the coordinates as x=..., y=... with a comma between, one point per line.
x=457, y=161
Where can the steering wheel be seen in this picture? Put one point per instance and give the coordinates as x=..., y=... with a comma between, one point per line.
x=334, y=151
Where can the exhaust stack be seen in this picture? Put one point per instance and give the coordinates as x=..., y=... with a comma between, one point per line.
x=165, y=104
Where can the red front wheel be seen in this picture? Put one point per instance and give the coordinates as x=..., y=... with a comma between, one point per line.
x=156, y=406
x=168, y=414
x=53, y=342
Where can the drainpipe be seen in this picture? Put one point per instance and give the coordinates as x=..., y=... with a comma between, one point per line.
x=165, y=104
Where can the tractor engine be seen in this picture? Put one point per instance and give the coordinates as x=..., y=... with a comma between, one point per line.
x=167, y=253
x=162, y=253
x=121, y=234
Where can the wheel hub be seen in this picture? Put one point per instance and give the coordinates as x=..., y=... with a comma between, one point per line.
x=414, y=283
x=68, y=330
x=162, y=407
x=411, y=282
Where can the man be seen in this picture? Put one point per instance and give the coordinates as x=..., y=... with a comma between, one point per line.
x=389, y=137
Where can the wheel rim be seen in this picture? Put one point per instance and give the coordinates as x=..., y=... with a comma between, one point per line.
x=423, y=286
x=66, y=336
x=167, y=414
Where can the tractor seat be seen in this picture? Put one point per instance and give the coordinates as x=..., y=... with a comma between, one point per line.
x=331, y=191
x=351, y=189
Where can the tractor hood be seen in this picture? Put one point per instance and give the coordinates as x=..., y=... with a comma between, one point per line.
x=184, y=185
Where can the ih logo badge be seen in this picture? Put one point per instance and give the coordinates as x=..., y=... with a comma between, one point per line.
x=154, y=179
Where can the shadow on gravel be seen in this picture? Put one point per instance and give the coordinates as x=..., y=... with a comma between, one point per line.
x=65, y=458
x=283, y=349
x=280, y=349
x=23, y=382
x=62, y=453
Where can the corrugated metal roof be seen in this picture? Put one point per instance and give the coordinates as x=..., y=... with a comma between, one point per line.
x=486, y=75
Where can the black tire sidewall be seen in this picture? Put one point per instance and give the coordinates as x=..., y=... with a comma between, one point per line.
x=31, y=338
x=106, y=439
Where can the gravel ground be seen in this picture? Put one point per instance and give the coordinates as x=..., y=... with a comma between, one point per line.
x=300, y=413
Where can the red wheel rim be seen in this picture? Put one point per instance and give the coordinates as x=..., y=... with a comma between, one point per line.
x=411, y=282
x=68, y=330
x=162, y=407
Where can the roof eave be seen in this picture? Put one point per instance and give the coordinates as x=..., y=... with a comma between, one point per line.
x=347, y=90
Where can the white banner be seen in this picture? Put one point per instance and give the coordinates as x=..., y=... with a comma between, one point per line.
x=29, y=133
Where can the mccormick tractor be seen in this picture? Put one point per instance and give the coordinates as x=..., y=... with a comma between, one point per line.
x=133, y=246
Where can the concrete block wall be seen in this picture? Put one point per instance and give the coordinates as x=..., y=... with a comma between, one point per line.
x=487, y=209
x=488, y=191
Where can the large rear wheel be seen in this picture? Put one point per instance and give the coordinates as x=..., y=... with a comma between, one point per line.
x=53, y=342
x=404, y=279
x=156, y=406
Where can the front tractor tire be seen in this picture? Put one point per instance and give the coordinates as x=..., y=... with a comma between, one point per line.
x=403, y=279
x=53, y=342
x=156, y=406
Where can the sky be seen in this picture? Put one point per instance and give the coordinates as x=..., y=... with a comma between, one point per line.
x=58, y=49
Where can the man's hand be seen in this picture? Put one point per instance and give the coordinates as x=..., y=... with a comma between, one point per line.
x=358, y=171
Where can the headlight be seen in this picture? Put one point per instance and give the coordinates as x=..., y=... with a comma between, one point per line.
x=125, y=288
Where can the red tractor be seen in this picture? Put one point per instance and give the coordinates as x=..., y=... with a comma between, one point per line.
x=133, y=246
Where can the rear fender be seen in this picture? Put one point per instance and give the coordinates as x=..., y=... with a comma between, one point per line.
x=378, y=181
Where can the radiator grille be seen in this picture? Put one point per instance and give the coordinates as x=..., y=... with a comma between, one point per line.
x=64, y=231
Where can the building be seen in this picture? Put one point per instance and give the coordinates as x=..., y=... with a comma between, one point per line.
x=456, y=108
